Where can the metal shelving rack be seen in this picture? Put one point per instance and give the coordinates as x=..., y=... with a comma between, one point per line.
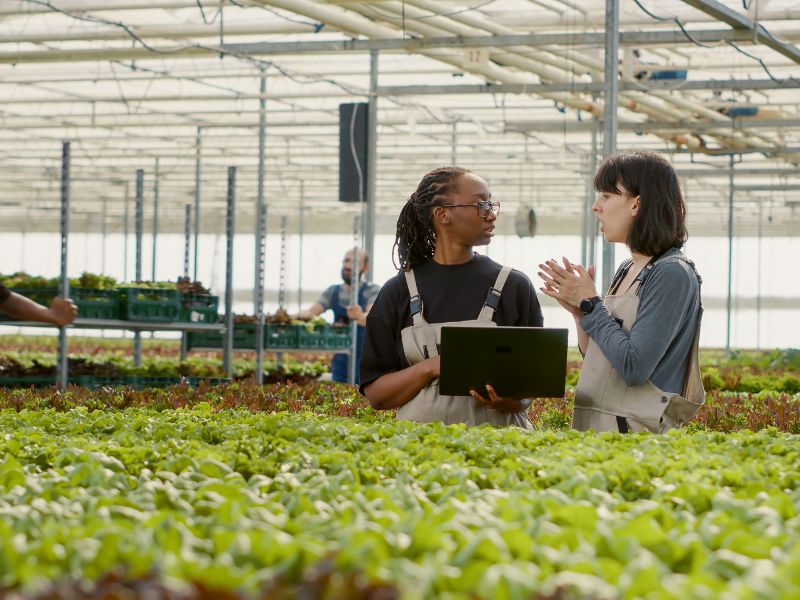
x=137, y=327
x=119, y=324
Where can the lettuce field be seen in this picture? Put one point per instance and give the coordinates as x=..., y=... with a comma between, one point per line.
x=239, y=491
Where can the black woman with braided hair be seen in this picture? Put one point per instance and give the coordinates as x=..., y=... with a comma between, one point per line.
x=441, y=280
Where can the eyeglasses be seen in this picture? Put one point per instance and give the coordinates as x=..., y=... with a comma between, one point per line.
x=484, y=207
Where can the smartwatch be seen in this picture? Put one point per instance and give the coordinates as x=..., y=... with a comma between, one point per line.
x=587, y=304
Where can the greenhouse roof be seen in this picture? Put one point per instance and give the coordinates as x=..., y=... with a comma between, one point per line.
x=512, y=89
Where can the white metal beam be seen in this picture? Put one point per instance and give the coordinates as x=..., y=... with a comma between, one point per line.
x=740, y=22
x=639, y=39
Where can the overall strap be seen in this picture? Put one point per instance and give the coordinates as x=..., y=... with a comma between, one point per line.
x=679, y=257
x=335, y=296
x=362, y=295
x=638, y=283
x=619, y=275
x=493, y=295
x=694, y=357
x=694, y=352
x=415, y=302
x=339, y=312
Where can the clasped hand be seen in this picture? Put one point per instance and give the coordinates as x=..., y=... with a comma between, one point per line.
x=568, y=284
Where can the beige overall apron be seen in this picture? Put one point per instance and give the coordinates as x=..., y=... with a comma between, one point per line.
x=604, y=402
x=422, y=340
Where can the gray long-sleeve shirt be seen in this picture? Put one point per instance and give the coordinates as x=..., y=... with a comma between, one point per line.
x=658, y=346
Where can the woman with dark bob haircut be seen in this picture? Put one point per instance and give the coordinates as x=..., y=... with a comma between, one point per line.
x=640, y=342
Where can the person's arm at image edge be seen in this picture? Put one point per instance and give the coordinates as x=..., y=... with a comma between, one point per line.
x=61, y=312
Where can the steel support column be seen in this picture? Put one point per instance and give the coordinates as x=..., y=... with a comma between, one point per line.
x=62, y=366
x=454, y=143
x=155, y=220
x=227, y=351
x=125, y=228
x=23, y=237
x=260, y=237
x=284, y=260
x=730, y=256
x=187, y=242
x=282, y=278
x=187, y=238
x=355, y=281
x=372, y=163
x=104, y=236
x=139, y=226
x=589, y=229
x=300, y=250
x=611, y=79
x=197, y=150
x=758, y=276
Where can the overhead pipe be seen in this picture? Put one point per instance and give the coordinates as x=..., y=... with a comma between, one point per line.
x=526, y=64
x=639, y=103
x=25, y=8
x=635, y=101
x=516, y=17
x=594, y=18
x=181, y=31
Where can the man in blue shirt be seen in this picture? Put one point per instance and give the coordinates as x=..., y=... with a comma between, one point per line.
x=339, y=298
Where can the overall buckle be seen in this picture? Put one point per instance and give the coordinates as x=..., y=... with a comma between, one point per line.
x=415, y=305
x=492, y=298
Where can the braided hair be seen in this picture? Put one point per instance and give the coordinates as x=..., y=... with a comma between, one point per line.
x=415, y=239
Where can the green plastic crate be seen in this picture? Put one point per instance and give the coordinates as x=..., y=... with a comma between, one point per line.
x=142, y=382
x=199, y=308
x=149, y=304
x=204, y=339
x=195, y=381
x=95, y=304
x=96, y=381
x=337, y=337
x=87, y=381
x=281, y=335
x=309, y=340
x=244, y=338
x=27, y=381
x=328, y=337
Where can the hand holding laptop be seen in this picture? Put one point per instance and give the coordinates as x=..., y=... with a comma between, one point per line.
x=509, y=404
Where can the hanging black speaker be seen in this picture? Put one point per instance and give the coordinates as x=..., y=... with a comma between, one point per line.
x=353, y=152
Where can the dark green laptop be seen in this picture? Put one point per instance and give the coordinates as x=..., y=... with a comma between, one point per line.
x=527, y=362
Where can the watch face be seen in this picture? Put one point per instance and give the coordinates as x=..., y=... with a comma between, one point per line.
x=587, y=305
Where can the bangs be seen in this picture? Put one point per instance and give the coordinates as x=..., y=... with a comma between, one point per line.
x=608, y=177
